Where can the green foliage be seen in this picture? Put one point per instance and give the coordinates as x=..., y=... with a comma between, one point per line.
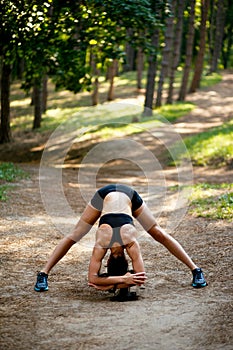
x=23, y=31
x=210, y=80
x=3, y=192
x=175, y=111
x=213, y=201
x=213, y=147
x=62, y=38
x=131, y=14
x=9, y=173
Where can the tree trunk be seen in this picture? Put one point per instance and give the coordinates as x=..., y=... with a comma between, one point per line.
x=189, y=52
x=220, y=21
x=212, y=25
x=5, y=131
x=130, y=55
x=228, y=36
x=112, y=73
x=95, y=94
x=37, y=104
x=227, y=54
x=95, y=72
x=44, y=93
x=139, y=68
x=200, y=57
x=176, y=49
x=151, y=74
x=166, y=59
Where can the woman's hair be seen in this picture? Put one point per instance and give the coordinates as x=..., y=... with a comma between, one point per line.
x=117, y=266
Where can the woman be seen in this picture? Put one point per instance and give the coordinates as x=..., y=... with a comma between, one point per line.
x=115, y=205
x=116, y=232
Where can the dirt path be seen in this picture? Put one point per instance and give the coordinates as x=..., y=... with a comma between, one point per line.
x=169, y=314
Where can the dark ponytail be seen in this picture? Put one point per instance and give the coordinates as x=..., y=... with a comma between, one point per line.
x=117, y=266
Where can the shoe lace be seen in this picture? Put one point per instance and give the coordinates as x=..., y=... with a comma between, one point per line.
x=199, y=274
x=41, y=278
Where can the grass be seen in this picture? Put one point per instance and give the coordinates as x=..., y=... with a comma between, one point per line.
x=114, y=119
x=174, y=111
x=214, y=201
x=211, y=148
x=210, y=80
x=62, y=105
x=9, y=173
x=3, y=192
x=118, y=117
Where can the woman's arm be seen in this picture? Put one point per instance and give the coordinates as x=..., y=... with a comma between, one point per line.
x=121, y=281
x=133, y=250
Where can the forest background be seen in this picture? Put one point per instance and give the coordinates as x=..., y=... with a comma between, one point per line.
x=79, y=45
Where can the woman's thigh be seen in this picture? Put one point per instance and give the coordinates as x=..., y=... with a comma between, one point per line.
x=103, y=236
x=128, y=234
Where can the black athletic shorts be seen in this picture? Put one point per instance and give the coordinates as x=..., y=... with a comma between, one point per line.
x=98, y=198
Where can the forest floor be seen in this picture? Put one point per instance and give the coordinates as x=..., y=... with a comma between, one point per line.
x=169, y=313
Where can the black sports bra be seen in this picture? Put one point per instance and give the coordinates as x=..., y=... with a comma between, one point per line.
x=98, y=198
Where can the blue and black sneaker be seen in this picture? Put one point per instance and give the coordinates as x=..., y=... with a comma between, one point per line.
x=198, y=278
x=42, y=282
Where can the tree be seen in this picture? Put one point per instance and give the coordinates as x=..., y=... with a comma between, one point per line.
x=102, y=31
x=140, y=64
x=117, y=28
x=151, y=74
x=23, y=34
x=37, y=104
x=200, y=57
x=57, y=50
x=112, y=72
x=160, y=11
x=129, y=64
x=176, y=49
x=166, y=54
x=55, y=38
x=188, y=53
x=15, y=26
x=5, y=132
x=8, y=45
x=95, y=73
x=219, y=31
x=228, y=35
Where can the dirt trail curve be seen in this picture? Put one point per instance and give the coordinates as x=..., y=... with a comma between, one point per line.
x=169, y=314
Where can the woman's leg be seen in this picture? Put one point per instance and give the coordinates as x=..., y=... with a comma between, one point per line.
x=87, y=219
x=148, y=222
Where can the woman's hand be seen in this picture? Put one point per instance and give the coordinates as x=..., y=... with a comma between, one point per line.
x=129, y=279
x=138, y=278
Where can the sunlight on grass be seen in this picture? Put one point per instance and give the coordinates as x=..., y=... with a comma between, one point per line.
x=175, y=111
x=212, y=201
x=209, y=80
x=206, y=81
x=213, y=147
x=9, y=173
x=63, y=105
